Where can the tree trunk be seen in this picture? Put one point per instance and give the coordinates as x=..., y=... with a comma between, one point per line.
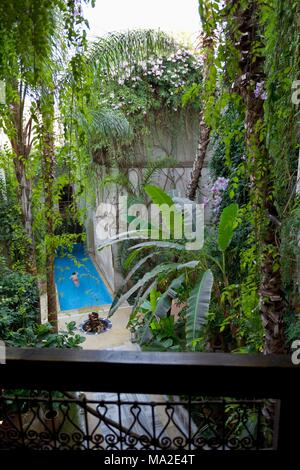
x=48, y=179
x=250, y=87
x=25, y=189
x=20, y=138
x=204, y=130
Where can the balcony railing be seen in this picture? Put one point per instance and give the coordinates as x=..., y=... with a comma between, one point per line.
x=113, y=400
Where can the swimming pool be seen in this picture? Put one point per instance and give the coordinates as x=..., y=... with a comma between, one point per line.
x=91, y=291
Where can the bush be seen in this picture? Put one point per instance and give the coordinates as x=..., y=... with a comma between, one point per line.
x=19, y=313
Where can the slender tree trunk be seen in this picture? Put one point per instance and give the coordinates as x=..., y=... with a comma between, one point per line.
x=250, y=87
x=204, y=130
x=48, y=179
x=203, y=141
x=20, y=138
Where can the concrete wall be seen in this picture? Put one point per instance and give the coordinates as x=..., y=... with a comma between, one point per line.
x=179, y=142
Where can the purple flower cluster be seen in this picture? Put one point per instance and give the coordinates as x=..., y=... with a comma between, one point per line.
x=220, y=184
x=259, y=91
x=217, y=189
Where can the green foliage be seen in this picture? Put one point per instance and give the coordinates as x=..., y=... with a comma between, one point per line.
x=108, y=52
x=281, y=25
x=19, y=301
x=164, y=303
x=198, y=305
x=20, y=312
x=163, y=269
x=12, y=235
x=191, y=94
x=289, y=249
x=154, y=328
x=293, y=328
x=42, y=336
x=158, y=196
x=106, y=127
x=137, y=192
x=227, y=225
x=109, y=99
x=141, y=85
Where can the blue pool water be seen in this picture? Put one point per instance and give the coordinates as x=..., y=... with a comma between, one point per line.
x=91, y=291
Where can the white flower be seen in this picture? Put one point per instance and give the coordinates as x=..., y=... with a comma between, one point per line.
x=155, y=68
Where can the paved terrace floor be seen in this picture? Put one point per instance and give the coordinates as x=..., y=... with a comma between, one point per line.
x=118, y=337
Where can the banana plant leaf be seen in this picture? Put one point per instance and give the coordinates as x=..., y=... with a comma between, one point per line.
x=198, y=306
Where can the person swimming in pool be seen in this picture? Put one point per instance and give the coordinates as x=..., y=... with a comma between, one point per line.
x=74, y=278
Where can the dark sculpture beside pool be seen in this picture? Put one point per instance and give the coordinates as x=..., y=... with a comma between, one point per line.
x=95, y=324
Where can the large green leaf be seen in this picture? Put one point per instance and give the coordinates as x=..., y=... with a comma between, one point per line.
x=169, y=212
x=198, y=305
x=137, y=266
x=157, y=195
x=227, y=225
x=141, y=297
x=164, y=268
x=130, y=258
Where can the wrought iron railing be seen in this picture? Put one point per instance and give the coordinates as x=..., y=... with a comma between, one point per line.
x=112, y=400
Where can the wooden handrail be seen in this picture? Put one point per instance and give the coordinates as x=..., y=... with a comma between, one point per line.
x=213, y=374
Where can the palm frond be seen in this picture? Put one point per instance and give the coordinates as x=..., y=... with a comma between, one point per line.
x=120, y=180
x=156, y=166
x=109, y=52
x=108, y=124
